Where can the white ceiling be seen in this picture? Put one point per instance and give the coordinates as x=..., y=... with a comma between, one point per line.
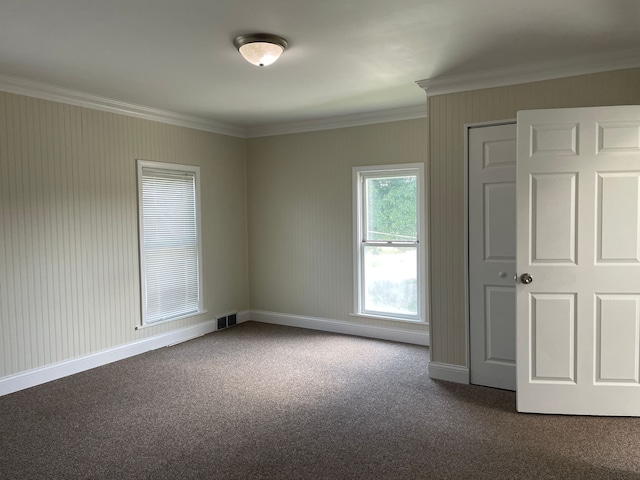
x=345, y=56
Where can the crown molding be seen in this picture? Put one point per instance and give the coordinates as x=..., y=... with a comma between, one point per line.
x=534, y=72
x=354, y=120
x=46, y=91
x=434, y=86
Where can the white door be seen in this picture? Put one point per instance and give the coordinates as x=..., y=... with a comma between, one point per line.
x=578, y=237
x=492, y=255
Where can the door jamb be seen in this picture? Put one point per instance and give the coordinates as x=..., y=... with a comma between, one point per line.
x=467, y=313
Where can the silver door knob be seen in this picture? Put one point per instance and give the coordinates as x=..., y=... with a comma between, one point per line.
x=526, y=278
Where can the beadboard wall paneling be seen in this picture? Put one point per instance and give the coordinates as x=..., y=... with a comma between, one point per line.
x=300, y=215
x=69, y=266
x=447, y=116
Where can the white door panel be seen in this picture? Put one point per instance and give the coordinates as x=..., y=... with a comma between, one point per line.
x=553, y=205
x=499, y=233
x=578, y=236
x=499, y=325
x=492, y=254
x=553, y=337
x=617, y=338
x=617, y=228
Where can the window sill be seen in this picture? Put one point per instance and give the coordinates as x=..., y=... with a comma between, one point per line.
x=162, y=322
x=391, y=319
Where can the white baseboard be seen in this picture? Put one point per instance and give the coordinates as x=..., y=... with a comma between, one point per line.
x=244, y=316
x=449, y=372
x=336, y=326
x=48, y=373
x=37, y=376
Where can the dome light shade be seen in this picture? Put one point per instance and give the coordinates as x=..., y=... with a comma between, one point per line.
x=260, y=49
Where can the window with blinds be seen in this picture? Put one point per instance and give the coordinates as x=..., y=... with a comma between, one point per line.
x=170, y=249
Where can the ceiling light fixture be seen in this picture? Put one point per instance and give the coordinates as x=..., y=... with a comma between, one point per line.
x=260, y=49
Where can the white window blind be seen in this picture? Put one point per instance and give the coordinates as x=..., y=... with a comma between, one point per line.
x=169, y=244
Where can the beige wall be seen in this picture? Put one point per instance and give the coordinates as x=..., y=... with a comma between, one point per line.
x=69, y=276
x=300, y=215
x=447, y=116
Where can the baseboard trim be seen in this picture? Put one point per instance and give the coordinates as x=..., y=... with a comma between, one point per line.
x=448, y=372
x=336, y=326
x=243, y=316
x=48, y=373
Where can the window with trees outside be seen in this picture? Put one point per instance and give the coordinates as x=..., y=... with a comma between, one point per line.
x=388, y=232
x=170, y=246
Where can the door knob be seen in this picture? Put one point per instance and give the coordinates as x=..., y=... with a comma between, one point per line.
x=526, y=278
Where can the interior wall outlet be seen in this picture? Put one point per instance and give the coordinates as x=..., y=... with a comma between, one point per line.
x=222, y=323
x=231, y=320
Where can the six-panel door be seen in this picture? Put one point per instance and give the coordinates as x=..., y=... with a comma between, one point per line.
x=578, y=236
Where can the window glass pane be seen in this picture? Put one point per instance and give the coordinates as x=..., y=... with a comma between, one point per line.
x=391, y=209
x=391, y=280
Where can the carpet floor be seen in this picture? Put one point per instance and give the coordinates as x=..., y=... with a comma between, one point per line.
x=261, y=401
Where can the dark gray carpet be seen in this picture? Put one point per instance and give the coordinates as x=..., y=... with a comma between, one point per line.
x=263, y=401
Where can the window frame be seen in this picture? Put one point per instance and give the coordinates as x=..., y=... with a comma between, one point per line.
x=177, y=169
x=359, y=175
